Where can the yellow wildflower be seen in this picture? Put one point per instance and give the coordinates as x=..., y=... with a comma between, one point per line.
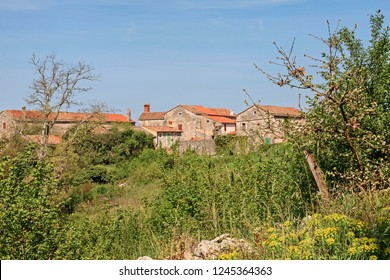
x=325, y=232
x=387, y=251
x=358, y=226
x=330, y=241
x=287, y=224
x=350, y=235
x=373, y=258
x=271, y=230
x=365, y=245
x=273, y=244
x=292, y=236
x=228, y=256
x=352, y=251
x=272, y=236
x=308, y=242
x=336, y=217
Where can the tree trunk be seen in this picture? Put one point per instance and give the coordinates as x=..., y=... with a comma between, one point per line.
x=318, y=175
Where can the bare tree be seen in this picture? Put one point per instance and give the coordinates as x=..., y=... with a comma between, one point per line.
x=55, y=88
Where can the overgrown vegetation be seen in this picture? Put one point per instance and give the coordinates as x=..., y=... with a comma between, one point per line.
x=113, y=196
x=347, y=123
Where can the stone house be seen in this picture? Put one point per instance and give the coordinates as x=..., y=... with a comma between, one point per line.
x=266, y=122
x=187, y=122
x=28, y=122
x=201, y=123
x=154, y=123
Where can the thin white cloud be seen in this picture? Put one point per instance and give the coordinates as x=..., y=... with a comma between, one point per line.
x=129, y=33
x=23, y=5
x=233, y=4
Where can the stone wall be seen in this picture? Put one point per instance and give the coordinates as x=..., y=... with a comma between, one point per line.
x=199, y=146
x=7, y=125
x=151, y=122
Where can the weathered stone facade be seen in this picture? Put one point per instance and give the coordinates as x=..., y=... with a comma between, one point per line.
x=266, y=122
x=8, y=125
x=204, y=147
x=190, y=123
x=194, y=122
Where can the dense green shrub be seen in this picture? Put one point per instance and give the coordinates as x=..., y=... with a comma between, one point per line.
x=233, y=145
x=30, y=219
x=112, y=147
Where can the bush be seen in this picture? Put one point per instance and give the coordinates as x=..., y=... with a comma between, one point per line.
x=30, y=219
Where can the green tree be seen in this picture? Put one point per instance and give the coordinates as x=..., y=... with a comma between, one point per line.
x=348, y=120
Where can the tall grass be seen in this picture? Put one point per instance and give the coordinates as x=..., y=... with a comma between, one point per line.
x=160, y=204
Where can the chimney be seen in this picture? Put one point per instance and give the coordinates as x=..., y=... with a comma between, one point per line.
x=147, y=108
x=129, y=114
x=24, y=112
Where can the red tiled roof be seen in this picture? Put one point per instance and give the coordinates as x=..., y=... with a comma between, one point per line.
x=53, y=139
x=67, y=116
x=152, y=116
x=222, y=119
x=201, y=110
x=281, y=111
x=28, y=114
x=161, y=129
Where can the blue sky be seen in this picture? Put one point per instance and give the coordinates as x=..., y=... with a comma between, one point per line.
x=196, y=52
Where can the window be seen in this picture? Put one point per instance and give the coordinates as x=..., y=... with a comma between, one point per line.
x=4, y=125
x=224, y=126
x=180, y=127
x=243, y=126
x=180, y=114
x=267, y=141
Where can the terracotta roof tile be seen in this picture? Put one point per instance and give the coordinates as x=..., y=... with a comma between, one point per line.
x=201, y=110
x=152, y=116
x=281, y=111
x=67, y=116
x=222, y=119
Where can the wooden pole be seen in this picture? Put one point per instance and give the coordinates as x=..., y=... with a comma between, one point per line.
x=318, y=175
